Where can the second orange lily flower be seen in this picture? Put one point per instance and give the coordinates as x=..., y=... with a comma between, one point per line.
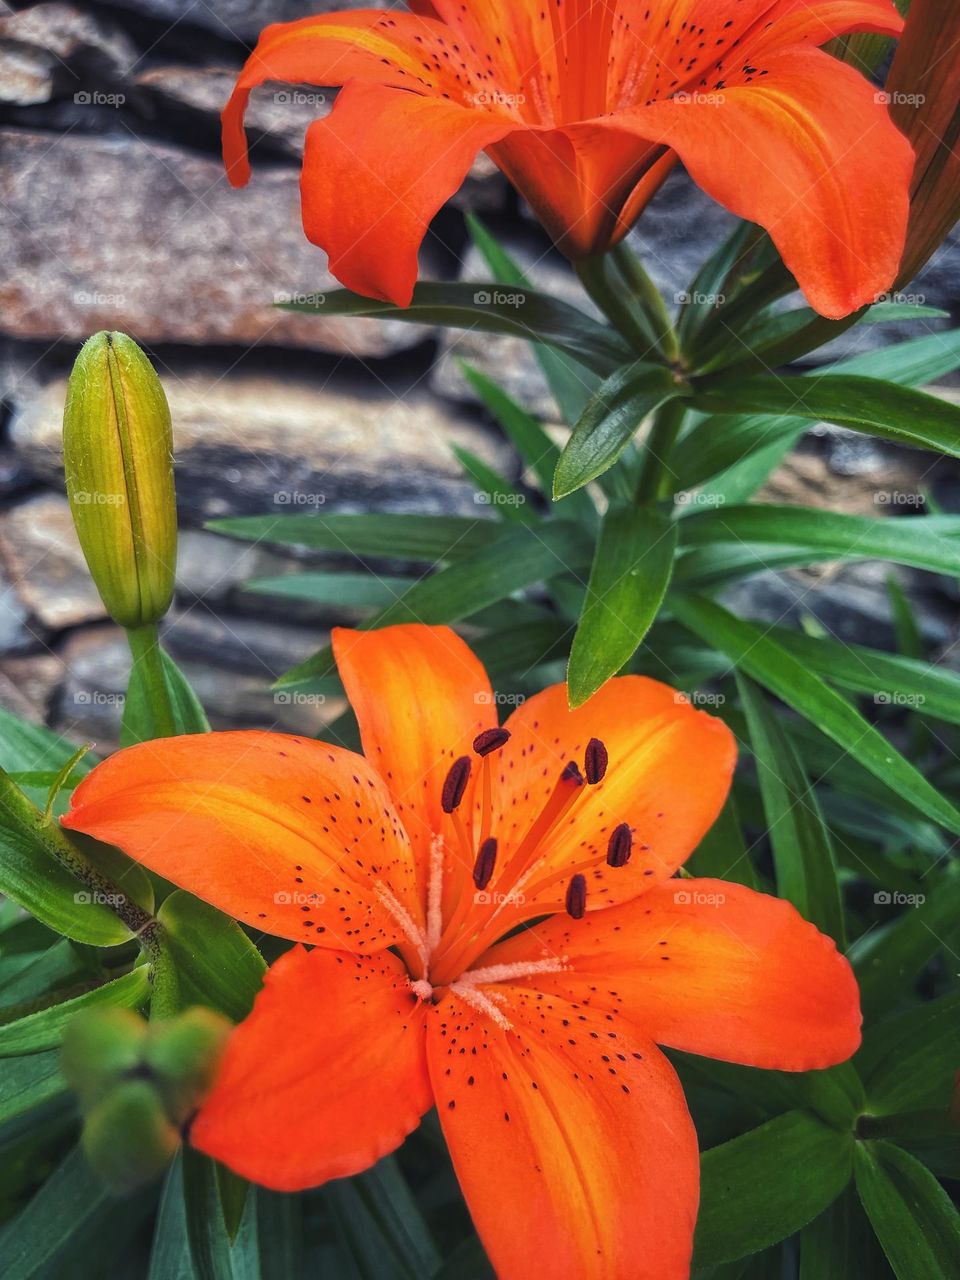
x=494, y=928
x=586, y=105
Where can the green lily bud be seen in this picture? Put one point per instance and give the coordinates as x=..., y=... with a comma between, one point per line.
x=100, y=1048
x=118, y=457
x=182, y=1055
x=128, y=1139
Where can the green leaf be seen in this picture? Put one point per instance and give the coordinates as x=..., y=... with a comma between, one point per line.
x=909, y=1061
x=382, y=1224
x=32, y=877
x=886, y=312
x=138, y=717
x=26, y=1083
x=467, y=1262
x=911, y=1213
x=519, y=558
x=611, y=420
x=170, y=1255
x=631, y=571
x=884, y=409
x=758, y=656
x=571, y=384
x=492, y=489
x=531, y=442
x=928, y=542
x=722, y=853
x=765, y=1185
x=932, y=1135
x=212, y=1253
x=841, y=1245
x=28, y=747
x=58, y=1212
x=280, y=1233
x=887, y=678
x=888, y=959
x=428, y=538
x=215, y=962
x=44, y=1030
x=346, y=590
x=519, y=312
x=802, y=850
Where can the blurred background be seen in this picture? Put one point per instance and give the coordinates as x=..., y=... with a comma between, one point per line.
x=115, y=213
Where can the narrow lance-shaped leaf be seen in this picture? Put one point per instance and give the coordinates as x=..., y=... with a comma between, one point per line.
x=519, y=558
x=611, y=420
x=629, y=579
x=929, y=542
x=763, y=1186
x=519, y=312
x=755, y=653
x=44, y=1030
x=884, y=409
x=802, y=851
x=913, y=1216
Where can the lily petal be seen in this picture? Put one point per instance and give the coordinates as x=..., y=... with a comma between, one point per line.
x=570, y=1136
x=709, y=967
x=368, y=201
x=817, y=21
x=289, y=835
x=399, y=49
x=803, y=145
x=668, y=775
x=326, y=1076
x=420, y=697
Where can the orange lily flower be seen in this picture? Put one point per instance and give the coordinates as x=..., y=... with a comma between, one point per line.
x=408, y=873
x=586, y=105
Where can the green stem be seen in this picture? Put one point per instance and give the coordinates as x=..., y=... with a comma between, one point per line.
x=148, y=660
x=659, y=446
x=650, y=300
x=594, y=277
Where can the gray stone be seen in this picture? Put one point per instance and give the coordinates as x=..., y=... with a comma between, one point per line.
x=239, y=19
x=212, y=569
x=27, y=684
x=15, y=633
x=39, y=548
x=191, y=99
x=246, y=443
x=55, y=49
x=152, y=240
x=94, y=665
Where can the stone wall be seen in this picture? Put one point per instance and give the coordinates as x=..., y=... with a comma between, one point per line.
x=114, y=213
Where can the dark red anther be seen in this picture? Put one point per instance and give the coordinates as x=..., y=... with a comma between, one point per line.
x=577, y=897
x=455, y=784
x=486, y=861
x=490, y=740
x=595, y=761
x=571, y=773
x=620, y=846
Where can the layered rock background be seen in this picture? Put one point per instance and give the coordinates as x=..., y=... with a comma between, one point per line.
x=114, y=213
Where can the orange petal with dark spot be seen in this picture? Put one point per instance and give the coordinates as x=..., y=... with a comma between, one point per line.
x=289, y=835
x=326, y=1076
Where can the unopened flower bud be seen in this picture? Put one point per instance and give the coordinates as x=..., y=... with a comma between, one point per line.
x=183, y=1055
x=100, y=1048
x=128, y=1138
x=118, y=457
